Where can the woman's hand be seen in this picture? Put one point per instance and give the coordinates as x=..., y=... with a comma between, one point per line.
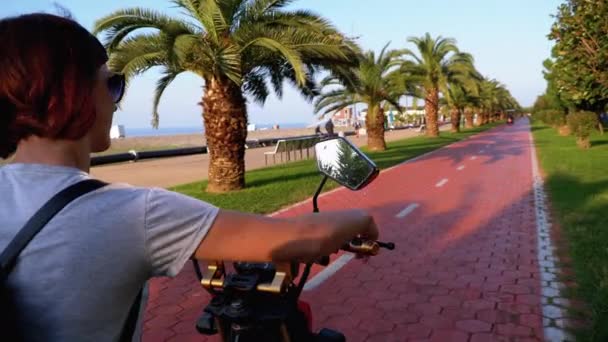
x=348, y=225
x=256, y=238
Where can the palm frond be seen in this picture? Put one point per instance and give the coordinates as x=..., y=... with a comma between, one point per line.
x=377, y=79
x=118, y=25
x=138, y=54
x=337, y=106
x=212, y=18
x=255, y=85
x=258, y=8
x=162, y=84
x=191, y=8
x=291, y=55
x=332, y=97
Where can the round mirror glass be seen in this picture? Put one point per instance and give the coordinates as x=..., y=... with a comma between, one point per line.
x=341, y=161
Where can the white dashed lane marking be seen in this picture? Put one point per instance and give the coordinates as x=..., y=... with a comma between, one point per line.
x=408, y=210
x=441, y=183
x=328, y=271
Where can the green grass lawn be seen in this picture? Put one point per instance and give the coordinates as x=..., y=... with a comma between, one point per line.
x=577, y=183
x=273, y=188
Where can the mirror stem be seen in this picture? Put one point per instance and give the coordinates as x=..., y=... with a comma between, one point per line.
x=315, y=207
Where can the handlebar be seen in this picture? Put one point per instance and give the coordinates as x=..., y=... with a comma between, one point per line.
x=214, y=277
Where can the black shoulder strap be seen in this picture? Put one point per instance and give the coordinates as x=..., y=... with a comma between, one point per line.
x=40, y=219
x=128, y=330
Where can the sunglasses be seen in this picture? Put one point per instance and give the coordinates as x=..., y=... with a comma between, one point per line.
x=116, y=86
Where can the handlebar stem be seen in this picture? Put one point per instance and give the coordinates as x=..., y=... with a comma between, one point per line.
x=315, y=207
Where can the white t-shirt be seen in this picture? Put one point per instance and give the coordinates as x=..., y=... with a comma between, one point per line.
x=77, y=279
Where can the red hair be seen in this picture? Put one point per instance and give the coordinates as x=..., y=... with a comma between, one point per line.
x=48, y=70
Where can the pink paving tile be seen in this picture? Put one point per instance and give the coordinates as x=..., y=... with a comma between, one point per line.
x=473, y=326
x=449, y=336
x=514, y=330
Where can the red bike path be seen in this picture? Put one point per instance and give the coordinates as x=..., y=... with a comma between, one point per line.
x=465, y=267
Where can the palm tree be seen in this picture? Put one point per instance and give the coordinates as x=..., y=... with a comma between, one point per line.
x=469, y=115
x=494, y=98
x=437, y=64
x=505, y=102
x=456, y=101
x=375, y=82
x=238, y=48
x=473, y=106
x=461, y=95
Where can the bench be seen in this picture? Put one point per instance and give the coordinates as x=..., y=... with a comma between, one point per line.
x=292, y=145
x=280, y=147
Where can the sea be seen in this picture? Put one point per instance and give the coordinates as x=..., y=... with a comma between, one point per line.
x=149, y=131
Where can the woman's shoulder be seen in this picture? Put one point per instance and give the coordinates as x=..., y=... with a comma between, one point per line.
x=17, y=179
x=152, y=197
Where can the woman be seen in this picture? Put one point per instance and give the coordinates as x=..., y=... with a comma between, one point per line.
x=77, y=278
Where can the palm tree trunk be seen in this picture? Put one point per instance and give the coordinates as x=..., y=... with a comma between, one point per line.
x=431, y=107
x=455, y=118
x=468, y=118
x=480, y=118
x=225, y=117
x=374, y=122
x=460, y=115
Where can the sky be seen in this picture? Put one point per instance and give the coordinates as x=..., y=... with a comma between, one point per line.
x=508, y=40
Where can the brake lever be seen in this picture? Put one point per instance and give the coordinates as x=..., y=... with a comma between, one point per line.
x=324, y=260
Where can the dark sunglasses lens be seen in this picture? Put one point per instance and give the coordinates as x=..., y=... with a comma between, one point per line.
x=116, y=86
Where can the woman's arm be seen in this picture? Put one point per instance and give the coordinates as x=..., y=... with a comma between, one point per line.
x=256, y=238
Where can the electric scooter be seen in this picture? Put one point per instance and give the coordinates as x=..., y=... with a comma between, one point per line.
x=260, y=301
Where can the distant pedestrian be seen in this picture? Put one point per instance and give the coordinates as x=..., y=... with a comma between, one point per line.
x=329, y=127
x=357, y=127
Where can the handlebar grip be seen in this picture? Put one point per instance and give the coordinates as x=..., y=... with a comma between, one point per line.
x=362, y=247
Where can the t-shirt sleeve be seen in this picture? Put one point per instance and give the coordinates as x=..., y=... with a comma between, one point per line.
x=175, y=224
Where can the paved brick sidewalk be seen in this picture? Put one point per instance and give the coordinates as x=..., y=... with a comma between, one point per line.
x=466, y=264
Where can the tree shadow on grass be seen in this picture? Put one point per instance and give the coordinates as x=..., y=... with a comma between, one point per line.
x=598, y=143
x=539, y=128
x=280, y=177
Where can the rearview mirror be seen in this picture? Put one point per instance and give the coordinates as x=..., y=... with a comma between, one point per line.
x=341, y=161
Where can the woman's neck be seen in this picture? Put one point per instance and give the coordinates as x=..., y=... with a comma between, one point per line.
x=54, y=152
